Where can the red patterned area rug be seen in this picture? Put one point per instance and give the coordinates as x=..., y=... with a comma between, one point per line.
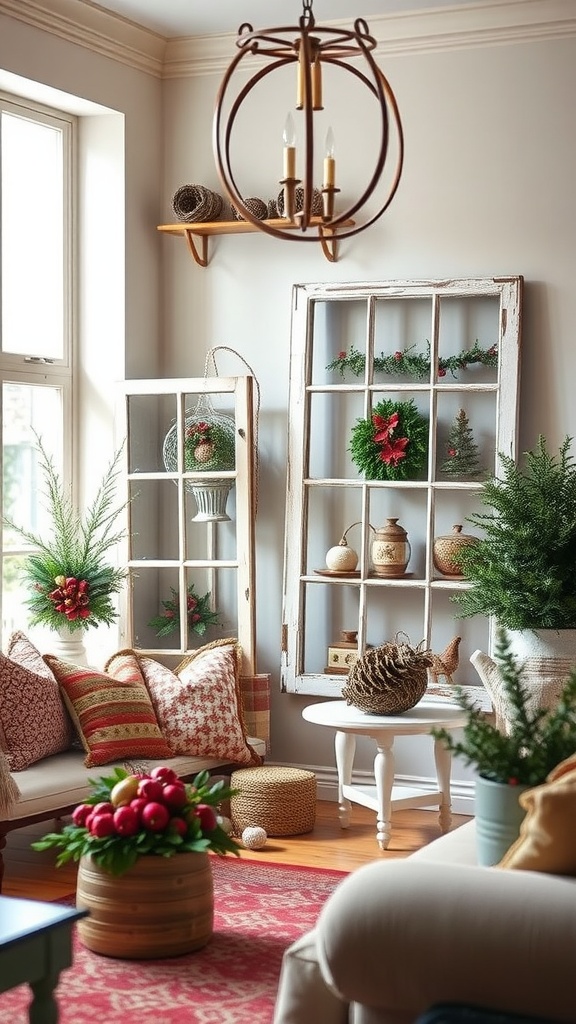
x=259, y=910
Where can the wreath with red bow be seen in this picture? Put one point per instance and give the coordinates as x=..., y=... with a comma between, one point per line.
x=392, y=444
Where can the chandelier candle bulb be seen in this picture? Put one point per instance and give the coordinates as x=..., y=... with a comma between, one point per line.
x=316, y=84
x=289, y=137
x=301, y=79
x=329, y=161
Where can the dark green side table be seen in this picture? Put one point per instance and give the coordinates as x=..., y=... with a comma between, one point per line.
x=35, y=946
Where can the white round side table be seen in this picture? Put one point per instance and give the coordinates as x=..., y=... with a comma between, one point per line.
x=349, y=722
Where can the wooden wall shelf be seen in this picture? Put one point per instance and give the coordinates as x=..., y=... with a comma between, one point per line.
x=202, y=231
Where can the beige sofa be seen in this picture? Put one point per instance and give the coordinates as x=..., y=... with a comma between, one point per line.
x=400, y=936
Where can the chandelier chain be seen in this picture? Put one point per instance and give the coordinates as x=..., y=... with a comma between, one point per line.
x=307, y=18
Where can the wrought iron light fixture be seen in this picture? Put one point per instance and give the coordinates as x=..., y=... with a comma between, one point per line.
x=310, y=48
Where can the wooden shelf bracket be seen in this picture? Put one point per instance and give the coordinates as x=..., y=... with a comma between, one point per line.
x=201, y=258
x=197, y=234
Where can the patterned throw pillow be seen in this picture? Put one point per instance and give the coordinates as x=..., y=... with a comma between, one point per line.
x=21, y=650
x=33, y=720
x=112, y=711
x=199, y=706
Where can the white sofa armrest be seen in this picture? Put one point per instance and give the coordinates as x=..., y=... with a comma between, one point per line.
x=400, y=936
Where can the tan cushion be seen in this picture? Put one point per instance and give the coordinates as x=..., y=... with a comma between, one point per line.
x=199, y=707
x=547, y=840
x=112, y=710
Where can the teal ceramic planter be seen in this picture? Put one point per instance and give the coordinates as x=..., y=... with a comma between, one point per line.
x=498, y=819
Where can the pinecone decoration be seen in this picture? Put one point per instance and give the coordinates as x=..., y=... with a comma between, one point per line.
x=388, y=680
x=204, y=451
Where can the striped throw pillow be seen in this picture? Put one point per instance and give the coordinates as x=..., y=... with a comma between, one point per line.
x=114, y=715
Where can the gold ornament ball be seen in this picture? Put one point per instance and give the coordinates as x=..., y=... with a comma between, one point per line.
x=225, y=823
x=254, y=837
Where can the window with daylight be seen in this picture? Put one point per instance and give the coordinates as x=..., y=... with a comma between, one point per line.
x=36, y=366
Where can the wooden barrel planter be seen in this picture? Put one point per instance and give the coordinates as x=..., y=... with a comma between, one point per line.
x=161, y=907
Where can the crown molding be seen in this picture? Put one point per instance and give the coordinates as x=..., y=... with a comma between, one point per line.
x=93, y=28
x=487, y=23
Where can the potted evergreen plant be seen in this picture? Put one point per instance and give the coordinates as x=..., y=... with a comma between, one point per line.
x=71, y=585
x=522, y=568
x=512, y=759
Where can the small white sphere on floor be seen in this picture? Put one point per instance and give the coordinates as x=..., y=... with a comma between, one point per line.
x=224, y=823
x=254, y=837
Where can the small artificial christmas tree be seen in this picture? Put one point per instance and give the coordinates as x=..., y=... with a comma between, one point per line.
x=461, y=450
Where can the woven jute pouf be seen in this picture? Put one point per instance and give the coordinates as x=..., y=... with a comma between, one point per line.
x=280, y=800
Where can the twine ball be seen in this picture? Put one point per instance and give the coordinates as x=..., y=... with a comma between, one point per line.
x=315, y=206
x=224, y=823
x=196, y=203
x=254, y=837
x=257, y=207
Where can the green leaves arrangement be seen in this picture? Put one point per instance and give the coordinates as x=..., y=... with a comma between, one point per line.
x=73, y=555
x=117, y=853
x=537, y=742
x=392, y=444
x=523, y=568
x=200, y=615
x=414, y=364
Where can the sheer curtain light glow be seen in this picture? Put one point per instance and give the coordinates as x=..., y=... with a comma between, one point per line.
x=310, y=48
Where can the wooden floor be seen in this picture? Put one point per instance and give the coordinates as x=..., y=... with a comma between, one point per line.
x=33, y=875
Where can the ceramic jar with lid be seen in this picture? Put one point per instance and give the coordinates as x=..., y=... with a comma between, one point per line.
x=390, y=549
x=446, y=549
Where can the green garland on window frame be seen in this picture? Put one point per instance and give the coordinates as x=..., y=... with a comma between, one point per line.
x=414, y=364
x=408, y=438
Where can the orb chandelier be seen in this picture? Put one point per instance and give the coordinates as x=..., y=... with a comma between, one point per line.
x=310, y=48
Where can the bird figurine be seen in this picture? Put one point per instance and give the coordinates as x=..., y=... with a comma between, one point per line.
x=446, y=663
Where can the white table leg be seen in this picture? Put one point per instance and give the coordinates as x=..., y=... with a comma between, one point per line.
x=345, y=748
x=384, y=778
x=443, y=760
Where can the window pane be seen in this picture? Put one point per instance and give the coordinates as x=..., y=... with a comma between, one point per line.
x=32, y=217
x=25, y=408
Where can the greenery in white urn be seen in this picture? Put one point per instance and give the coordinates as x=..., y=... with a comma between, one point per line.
x=523, y=568
x=535, y=742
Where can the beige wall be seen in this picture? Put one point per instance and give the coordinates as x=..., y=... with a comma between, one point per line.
x=488, y=189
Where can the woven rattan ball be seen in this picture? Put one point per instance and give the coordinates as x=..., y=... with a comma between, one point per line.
x=388, y=680
x=316, y=206
x=254, y=837
x=196, y=204
x=282, y=801
x=257, y=208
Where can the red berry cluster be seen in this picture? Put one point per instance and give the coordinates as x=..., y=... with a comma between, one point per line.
x=158, y=802
x=71, y=597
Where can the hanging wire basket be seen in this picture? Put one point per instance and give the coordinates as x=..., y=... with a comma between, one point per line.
x=209, y=446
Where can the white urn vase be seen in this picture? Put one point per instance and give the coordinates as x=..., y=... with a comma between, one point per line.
x=68, y=645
